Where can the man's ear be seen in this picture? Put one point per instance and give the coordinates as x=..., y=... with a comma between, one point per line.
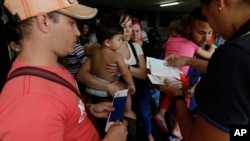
x=43, y=21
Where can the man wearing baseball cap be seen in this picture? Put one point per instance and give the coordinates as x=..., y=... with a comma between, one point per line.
x=33, y=108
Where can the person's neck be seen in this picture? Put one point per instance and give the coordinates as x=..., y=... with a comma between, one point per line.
x=36, y=58
x=35, y=61
x=107, y=48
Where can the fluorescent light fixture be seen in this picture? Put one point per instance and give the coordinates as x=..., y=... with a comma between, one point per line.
x=169, y=4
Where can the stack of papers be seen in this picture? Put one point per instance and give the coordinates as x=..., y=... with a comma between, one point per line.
x=159, y=71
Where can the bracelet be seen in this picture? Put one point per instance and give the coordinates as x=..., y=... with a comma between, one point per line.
x=179, y=97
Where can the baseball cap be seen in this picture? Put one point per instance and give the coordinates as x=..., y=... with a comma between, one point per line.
x=24, y=9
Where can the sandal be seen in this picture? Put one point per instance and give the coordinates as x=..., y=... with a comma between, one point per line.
x=161, y=124
x=174, y=138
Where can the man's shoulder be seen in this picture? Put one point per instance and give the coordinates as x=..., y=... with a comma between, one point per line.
x=36, y=87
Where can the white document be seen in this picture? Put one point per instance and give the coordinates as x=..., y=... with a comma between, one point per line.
x=159, y=80
x=159, y=71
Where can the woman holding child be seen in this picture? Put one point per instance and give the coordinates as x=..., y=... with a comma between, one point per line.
x=134, y=58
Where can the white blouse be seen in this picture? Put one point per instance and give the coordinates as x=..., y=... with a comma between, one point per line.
x=139, y=51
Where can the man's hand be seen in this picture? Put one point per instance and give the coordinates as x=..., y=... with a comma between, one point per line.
x=101, y=110
x=174, y=90
x=112, y=88
x=117, y=131
x=170, y=88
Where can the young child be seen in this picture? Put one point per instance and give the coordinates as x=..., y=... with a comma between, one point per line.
x=178, y=43
x=110, y=38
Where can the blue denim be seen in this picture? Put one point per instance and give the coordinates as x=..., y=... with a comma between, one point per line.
x=141, y=102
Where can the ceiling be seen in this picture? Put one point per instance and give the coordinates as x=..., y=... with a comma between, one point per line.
x=184, y=6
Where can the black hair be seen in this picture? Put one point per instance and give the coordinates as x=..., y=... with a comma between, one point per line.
x=108, y=30
x=89, y=23
x=191, y=18
x=11, y=33
x=197, y=14
x=122, y=15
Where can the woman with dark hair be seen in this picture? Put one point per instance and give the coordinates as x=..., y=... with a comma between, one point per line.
x=87, y=36
x=133, y=57
x=222, y=96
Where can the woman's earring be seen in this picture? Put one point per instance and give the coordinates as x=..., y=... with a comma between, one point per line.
x=220, y=9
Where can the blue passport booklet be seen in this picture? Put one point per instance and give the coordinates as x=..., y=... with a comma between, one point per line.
x=118, y=103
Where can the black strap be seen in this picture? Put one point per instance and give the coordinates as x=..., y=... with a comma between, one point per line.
x=134, y=53
x=140, y=83
x=42, y=73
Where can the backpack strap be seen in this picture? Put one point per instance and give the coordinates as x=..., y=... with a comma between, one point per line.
x=135, y=54
x=43, y=74
x=138, y=82
x=51, y=76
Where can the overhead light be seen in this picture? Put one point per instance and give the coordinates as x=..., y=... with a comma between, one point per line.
x=169, y=4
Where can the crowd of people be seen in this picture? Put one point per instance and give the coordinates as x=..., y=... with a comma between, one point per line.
x=71, y=99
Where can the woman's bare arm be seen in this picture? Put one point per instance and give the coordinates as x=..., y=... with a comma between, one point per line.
x=141, y=72
x=193, y=129
x=84, y=76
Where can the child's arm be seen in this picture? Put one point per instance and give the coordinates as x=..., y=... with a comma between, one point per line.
x=207, y=53
x=125, y=72
x=85, y=77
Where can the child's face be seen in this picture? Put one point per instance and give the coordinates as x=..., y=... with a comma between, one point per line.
x=116, y=42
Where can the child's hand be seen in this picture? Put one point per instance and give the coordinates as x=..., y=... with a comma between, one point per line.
x=131, y=89
x=213, y=46
x=184, y=79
